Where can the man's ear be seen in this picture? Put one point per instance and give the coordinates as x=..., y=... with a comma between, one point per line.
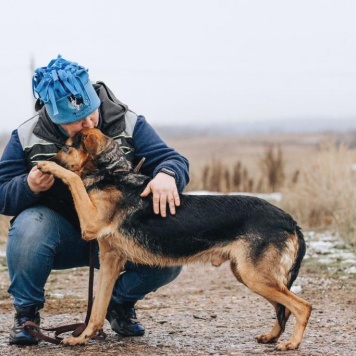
x=90, y=143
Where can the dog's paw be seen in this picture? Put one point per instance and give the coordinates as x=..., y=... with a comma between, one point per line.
x=58, y=171
x=287, y=345
x=266, y=339
x=47, y=166
x=74, y=341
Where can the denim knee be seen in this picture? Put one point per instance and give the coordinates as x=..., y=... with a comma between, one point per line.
x=28, y=233
x=139, y=280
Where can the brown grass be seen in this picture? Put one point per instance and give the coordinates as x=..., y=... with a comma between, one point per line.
x=324, y=197
x=4, y=227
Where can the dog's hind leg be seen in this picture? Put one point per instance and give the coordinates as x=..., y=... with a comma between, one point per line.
x=276, y=331
x=261, y=280
x=294, y=305
x=111, y=264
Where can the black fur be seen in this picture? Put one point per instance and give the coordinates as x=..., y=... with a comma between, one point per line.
x=211, y=224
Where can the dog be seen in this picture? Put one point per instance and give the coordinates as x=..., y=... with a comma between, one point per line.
x=264, y=245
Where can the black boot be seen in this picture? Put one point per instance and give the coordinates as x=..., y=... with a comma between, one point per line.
x=122, y=318
x=18, y=336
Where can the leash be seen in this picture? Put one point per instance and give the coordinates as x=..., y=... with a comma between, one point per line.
x=35, y=330
x=139, y=164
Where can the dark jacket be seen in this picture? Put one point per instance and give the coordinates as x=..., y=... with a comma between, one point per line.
x=39, y=138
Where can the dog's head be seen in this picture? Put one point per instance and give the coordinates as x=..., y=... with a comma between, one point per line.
x=90, y=149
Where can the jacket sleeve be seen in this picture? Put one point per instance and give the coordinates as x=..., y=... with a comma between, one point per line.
x=15, y=193
x=148, y=144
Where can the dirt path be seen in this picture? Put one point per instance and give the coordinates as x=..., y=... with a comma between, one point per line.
x=205, y=312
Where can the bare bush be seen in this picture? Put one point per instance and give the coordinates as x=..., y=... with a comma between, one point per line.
x=220, y=177
x=272, y=165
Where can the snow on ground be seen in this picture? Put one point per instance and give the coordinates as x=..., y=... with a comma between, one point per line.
x=270, y=197
x=330, y=249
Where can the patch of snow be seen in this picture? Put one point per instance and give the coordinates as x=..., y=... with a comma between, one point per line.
x=271, y=196
x=330, y=248
x=296, y=289
x=351, y=269
x=202, y=192
x=321, y=247
x=56, y=295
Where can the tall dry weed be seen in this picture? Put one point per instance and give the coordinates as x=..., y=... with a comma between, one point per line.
x=219, y=176
x=324, y=196
x=272, y=165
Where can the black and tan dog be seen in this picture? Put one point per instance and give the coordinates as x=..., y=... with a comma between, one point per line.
x=263, y=244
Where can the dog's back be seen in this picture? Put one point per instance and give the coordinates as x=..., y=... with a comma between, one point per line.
x=203, y=222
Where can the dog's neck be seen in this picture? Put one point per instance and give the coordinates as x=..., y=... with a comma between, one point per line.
x=112, y=159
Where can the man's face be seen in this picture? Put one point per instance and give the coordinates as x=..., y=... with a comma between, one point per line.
x=88, y=122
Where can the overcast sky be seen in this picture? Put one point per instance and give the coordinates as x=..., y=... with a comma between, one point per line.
x=187, y=61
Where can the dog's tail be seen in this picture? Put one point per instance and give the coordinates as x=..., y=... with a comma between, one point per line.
x=293, y=275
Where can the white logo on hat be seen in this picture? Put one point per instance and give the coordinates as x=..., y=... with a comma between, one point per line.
x=75, y=103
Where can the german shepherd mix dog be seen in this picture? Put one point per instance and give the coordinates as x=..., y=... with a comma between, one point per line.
x=264, y=245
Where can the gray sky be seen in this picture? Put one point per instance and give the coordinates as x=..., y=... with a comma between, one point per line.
x=190, y=61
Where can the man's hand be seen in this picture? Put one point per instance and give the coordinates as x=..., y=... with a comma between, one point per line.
x=164, y=190
x=38, y=181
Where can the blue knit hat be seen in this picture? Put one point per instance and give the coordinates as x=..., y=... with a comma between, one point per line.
x=66, y=91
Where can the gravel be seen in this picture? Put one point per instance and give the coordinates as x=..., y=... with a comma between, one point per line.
x=206, y=312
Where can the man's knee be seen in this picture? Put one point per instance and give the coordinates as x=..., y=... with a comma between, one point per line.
x=35, y=222
x=32, y=229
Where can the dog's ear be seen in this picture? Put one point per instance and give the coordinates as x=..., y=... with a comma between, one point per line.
x=91, y=143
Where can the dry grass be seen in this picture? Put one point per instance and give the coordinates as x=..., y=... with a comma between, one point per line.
x=324, y=195
x=4, y=227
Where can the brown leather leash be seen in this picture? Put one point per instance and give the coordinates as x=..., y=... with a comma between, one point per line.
x=35, y=330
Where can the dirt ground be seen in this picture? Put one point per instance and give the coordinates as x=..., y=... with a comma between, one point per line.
x=206, y=312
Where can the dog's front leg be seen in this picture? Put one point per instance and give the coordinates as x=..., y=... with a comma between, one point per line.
x=111, y=264
x=87, y=212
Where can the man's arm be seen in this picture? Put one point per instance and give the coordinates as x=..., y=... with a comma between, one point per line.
x=15, y=193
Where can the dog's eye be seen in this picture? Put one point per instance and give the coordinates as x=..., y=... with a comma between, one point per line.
x=65, y=148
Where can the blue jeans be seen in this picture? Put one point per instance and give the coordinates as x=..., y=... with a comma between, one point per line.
x=41, y=240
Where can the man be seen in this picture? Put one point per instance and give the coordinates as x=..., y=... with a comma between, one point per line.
x=45, y=233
